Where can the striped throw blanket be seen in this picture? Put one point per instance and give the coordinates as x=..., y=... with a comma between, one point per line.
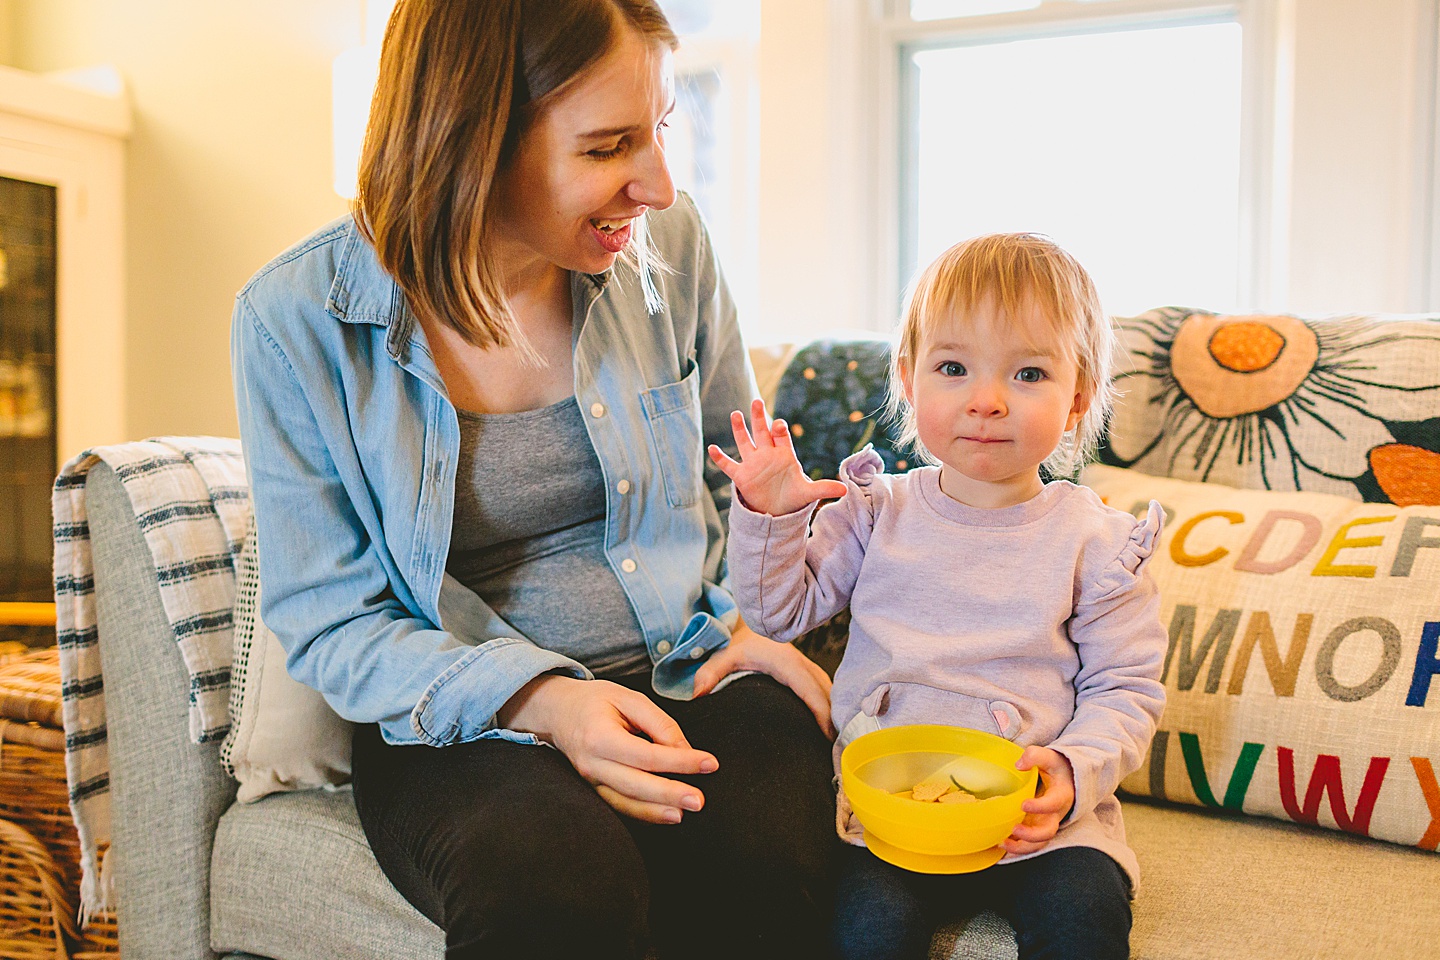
x=193, y=505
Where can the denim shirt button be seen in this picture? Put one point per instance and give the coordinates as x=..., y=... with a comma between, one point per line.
x=627, y=565
x=697, y=653
x=623, y=487
x=663, y=646
x=597, y=410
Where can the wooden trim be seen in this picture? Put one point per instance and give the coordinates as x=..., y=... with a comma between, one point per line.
x=27, y=614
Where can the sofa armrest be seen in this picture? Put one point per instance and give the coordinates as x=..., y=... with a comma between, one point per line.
x=166, y=793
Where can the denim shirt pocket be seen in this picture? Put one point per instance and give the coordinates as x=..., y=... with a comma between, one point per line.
x=672, y=419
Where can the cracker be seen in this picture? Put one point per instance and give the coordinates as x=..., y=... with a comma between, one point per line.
x=928, y=792
x=957, y=796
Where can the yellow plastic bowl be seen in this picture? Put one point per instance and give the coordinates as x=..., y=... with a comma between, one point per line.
x=933, y=837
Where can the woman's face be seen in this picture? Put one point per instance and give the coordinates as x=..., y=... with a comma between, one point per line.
x=591, y=162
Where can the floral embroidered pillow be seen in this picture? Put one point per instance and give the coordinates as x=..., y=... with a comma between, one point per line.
x=833, y=394
x=1303, y=668
x=1349, y=406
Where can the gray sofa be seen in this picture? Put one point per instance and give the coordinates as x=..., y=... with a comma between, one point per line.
x=291, y=877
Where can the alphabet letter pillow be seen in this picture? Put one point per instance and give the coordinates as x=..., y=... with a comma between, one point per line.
x=1302, y=663
x=283, y=735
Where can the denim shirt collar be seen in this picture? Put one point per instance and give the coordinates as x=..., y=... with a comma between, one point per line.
x=363, y=292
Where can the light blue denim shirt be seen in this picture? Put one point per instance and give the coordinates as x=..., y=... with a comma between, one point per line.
x=351, y=444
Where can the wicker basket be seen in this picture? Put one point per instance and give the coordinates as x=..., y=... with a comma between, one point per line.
x=36, y=914
x=34, y=796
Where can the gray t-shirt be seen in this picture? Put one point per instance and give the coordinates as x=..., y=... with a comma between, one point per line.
x=529, y=535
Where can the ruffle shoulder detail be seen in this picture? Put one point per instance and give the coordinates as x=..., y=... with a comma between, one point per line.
x=861, y=467
x=1128, y=568
x=1140, y=547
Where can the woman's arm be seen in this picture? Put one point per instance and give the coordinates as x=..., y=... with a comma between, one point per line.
x=330, y=592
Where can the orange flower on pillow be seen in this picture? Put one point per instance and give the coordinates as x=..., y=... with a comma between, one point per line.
x=1348, y=406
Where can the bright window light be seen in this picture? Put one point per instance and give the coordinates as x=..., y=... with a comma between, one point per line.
x=942, y=9
x=945, y=9
x=1123, y=146
x=353, y=75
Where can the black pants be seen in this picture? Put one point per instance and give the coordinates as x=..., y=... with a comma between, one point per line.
x=1070, y=904
x=513, y=854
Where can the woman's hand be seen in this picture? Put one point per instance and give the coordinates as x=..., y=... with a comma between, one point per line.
x=768, y=474
x=602, y=728
x=1051, y=803
x=750, y=651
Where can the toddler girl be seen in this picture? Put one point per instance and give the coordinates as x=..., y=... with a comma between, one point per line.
x=979, y=595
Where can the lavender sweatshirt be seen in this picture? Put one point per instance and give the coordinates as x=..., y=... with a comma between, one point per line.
x=1036, y=622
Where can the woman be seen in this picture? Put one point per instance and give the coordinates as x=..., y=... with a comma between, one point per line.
x=474, y=419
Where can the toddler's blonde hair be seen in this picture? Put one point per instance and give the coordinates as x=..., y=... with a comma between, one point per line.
x=1017, y=270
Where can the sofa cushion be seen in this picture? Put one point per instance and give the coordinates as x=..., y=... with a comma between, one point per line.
x=833, y=394
x=1302, y=651
x=285, y=861
x=292, y=878
x=283, y=735
x=1348, y=405
x=1216, y=887
x=1220, y=887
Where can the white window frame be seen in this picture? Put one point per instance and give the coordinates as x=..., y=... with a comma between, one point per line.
x=1425, y=267
x=1266, y=86
x=736, y=61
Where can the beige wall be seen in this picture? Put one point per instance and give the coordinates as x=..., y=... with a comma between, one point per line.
x=1354, y=203
x=6, y=15
x=228, y=164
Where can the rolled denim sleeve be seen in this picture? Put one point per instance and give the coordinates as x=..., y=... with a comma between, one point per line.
x=332, y=592
x=477, y=684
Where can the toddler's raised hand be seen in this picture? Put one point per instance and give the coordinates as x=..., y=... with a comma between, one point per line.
x=768, y=474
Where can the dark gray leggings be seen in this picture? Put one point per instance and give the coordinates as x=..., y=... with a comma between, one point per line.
x=1068, y=904
x=513, y=854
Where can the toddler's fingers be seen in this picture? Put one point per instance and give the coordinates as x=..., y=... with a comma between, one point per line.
x=827, y=490
x=743, y=443
x=720, y=665
x=1046, y=803
x=723, y=460
x=1033, y=756
x=1019, y=847
x=760, y=425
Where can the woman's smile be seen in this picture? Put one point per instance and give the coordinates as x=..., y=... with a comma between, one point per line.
x=613, y=235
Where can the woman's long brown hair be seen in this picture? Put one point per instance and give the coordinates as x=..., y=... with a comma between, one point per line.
x=460, y=81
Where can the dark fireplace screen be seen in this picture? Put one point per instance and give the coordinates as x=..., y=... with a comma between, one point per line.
x=27, y=390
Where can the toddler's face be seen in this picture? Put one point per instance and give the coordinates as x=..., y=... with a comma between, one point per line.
x=992, y=399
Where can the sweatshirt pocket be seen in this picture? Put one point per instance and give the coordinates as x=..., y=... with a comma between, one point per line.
x=672, y=418
x=893, y=704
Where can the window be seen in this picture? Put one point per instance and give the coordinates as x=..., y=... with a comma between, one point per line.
x=1114, y=126
x=712, y=144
